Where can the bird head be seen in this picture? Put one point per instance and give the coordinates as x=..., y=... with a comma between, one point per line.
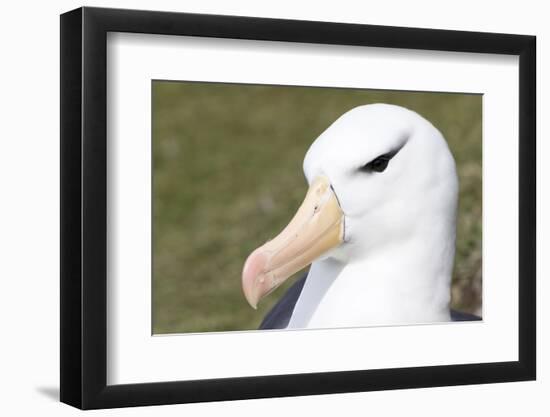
x=380, y=173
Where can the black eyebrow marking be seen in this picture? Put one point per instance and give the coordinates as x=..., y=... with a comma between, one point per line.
x=387, y=156
x=390, y=154
x=383, y=160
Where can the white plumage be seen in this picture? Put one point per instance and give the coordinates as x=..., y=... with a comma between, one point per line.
x=394, y=262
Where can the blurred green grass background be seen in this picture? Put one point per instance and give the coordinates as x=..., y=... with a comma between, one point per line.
x=227, y=175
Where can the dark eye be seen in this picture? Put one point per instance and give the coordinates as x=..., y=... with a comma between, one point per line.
x=378, y=164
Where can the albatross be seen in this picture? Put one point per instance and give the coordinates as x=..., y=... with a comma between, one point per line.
x=377, y=225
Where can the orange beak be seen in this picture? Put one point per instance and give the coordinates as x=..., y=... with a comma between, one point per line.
x=317, y=227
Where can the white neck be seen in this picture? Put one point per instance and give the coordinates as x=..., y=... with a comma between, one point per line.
x=399, y=284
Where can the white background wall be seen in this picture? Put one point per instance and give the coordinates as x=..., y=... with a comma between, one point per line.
x=29, y=207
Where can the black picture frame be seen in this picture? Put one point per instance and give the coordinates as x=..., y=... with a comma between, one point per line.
x=84, y=207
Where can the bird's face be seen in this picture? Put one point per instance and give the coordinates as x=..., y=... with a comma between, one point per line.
x=375, y=174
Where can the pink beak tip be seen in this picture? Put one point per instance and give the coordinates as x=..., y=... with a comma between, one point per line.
x=253, y=267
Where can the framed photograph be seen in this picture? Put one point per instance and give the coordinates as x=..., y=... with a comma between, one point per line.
x=257, y=208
